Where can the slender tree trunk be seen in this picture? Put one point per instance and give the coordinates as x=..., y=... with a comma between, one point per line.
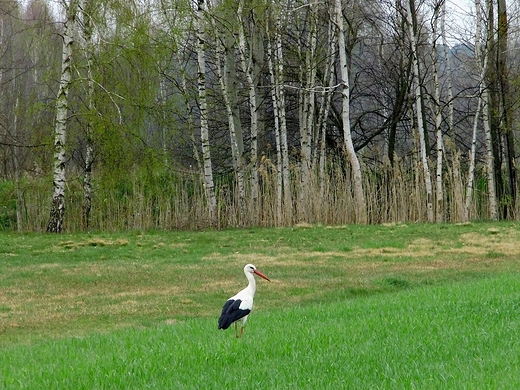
x=307, y=111
x=481, y=62
x=286, y=167
x=486, y=117
x=278, y=68
x=57, y=213
x=204, y=126
x=471, y=168
x=87, y=180
x=277, y=130
x=491, y=114
x=419, y=108
x=17, y=168
x=248, y=67
x=439, y=209
x=236, y=144
x=402, y=83
x=493, y=206
x=189, y=116
x=507, y=105
x=359, y=195
x=16, y=150
x=447, y=64
x=457, y=183
x=231, y=85
x=89, y=143
x=326, y=99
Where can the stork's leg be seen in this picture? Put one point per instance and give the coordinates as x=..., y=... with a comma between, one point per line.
x=236, y=330
x=241, y=330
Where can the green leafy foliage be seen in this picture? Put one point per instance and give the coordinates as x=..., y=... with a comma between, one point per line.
x=7, y=206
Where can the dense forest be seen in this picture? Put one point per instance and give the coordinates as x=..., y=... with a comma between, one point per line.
x=187, y=114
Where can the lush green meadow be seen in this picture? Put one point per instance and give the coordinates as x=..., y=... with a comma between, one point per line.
x=396, y=306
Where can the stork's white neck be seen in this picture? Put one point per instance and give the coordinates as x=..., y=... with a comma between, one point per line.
x=251, y=287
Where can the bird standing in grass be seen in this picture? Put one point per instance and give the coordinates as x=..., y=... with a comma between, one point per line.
x=240, y=305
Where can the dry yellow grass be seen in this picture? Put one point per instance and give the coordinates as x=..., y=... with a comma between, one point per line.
x=43, y=297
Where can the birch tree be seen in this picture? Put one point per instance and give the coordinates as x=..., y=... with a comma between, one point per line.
x=486, y=118
x=251, y=61
x=457, y=183
x=278, y=95
x=506, y=103
x=86, y=14
x=237, y=144
x=400, y=70
x=472, y=158
x=307, y=107
x=203, y=108
x=481, y=62
x=230, y=86
x=437, y=109
x=326, y=99
x=57, y=213
x=277, y=130
x=359, y=196
x=413, y=33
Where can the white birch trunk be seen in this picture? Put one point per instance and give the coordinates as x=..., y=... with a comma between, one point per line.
x=481, y=62
x=89, y=144
x=189, y=116
x=359, y=196
x=307, y=105
x=326, y=98
x=447, y=64
x=231, y=85
x=280, y=93
x=17, y=172
x=204, y=127
x=490, y=160
x=276, y=112
x=248, y=68
x=15, y=149
x=493, y=207
x=236, y=150
x=57, y=213
x=286, y=167
x=439, y=209
x=457, y=183
x=471, y=167
x=410, y=5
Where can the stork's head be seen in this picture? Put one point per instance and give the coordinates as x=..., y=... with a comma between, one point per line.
x=250, y=268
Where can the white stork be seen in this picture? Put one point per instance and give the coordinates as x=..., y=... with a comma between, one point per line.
x=240, y=305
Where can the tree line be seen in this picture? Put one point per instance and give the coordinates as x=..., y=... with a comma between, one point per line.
x=147, y=114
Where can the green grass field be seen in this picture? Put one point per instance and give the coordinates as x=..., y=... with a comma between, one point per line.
x=356, y=307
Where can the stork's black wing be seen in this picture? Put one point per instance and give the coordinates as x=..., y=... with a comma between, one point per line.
x=231, y=312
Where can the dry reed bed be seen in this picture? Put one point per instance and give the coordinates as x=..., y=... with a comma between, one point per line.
x=392, y=194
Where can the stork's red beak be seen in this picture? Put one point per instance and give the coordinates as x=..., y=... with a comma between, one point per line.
x=261, y=275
